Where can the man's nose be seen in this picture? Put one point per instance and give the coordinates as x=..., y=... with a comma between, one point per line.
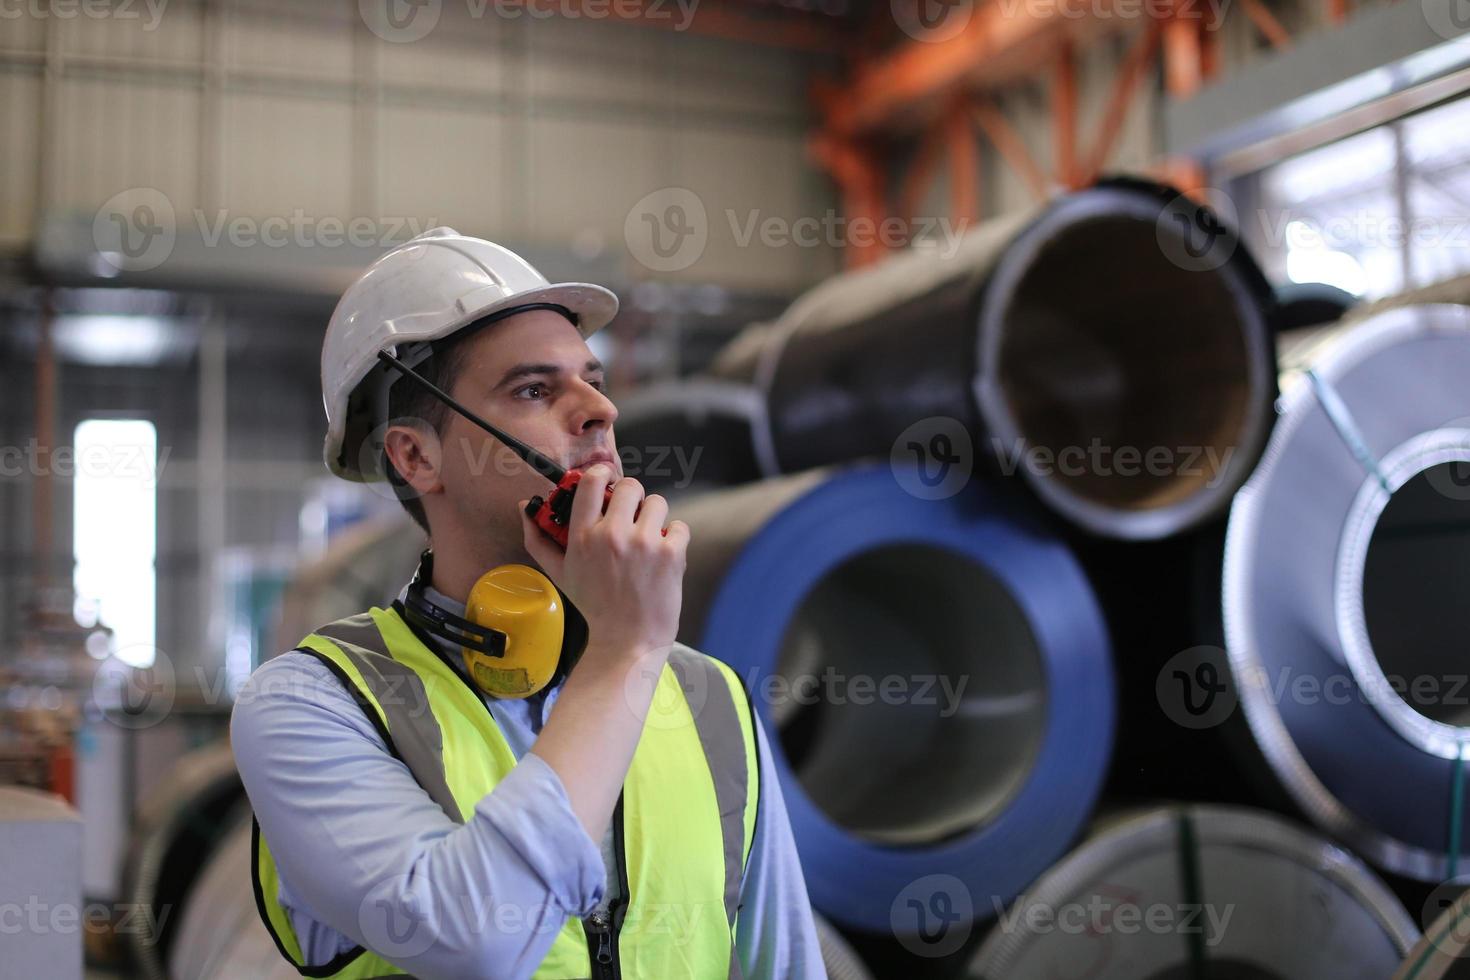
x=593, y=408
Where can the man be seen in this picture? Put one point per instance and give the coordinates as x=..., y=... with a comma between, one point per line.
x=622, y=820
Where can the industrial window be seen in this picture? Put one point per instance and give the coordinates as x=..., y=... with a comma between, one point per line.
x=1376, y=213
x=114, y=534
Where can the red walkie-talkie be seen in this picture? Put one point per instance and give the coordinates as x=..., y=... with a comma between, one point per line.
x=552, y=514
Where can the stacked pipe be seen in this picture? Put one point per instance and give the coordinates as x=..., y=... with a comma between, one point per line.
x=1088, y=324
x=1062, y=347
x=1345, y=573
x=687, y=436
x=1443, y=952
x=1196, y=892
x=937, y=670
x=1105, y=323
x=174, y=833
x=221, y=934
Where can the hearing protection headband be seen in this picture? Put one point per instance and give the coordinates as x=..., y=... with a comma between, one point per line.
x=441, y=622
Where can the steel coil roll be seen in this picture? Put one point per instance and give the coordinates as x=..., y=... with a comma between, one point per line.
x=938, y=672
x=1179, y=893
x=687, y=436
x=1300, y=305
x=1443, y=952
x=174, y=832
x=365, y=565
x=220, y=931
x=1345, y=573
x=1113, y=347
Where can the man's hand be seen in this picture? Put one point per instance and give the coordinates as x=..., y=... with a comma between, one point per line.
x=623, y=573
x=627, y=579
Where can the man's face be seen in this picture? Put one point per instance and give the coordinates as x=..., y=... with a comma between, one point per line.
x=534, y=377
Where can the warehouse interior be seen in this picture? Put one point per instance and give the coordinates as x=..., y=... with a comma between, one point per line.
x=1068, y=402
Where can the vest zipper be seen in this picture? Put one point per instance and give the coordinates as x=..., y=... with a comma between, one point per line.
x=599, y=944
x=619, y=907
x=602, y=927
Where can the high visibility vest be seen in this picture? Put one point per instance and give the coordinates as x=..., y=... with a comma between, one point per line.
x=682, y=828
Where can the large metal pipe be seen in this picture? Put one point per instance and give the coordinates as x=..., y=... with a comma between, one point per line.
x=1200, y=893
x=1345, y=575
x=935, y=675
x=364, y=566
x=693, y=435
x=1443, y=952
x=175, y=831
x=220, y=932
x=1114, y=347
x=1300, y=305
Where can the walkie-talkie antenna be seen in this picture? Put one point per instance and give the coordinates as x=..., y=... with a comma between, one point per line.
x=534, y=458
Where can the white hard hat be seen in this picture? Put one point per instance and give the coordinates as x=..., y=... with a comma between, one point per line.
x=424, y=290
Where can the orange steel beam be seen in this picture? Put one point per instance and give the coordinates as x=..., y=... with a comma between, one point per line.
x=1009, y=145
x=964, y=174
x=1184, y=174
x=1209, y=50
x=1337, y=11
x=1183, y=64
x=1260, y=15
x=916, y=179
x=1125, y=84
x=1064, y=115
x=859, y=177
x=1000, y=41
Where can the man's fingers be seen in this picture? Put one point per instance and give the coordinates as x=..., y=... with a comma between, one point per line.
x=587, y=503
x=627, y=495
x=652, y=512
x=678, y=534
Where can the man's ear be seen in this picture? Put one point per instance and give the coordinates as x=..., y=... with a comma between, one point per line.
x=415, y=452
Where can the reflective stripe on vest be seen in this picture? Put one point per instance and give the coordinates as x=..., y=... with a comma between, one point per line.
x=689, y=800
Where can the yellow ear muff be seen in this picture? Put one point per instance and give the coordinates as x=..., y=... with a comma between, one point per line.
x=521, y=603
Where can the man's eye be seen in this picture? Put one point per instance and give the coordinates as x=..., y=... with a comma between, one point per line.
x=598, y=384
x=538, y=388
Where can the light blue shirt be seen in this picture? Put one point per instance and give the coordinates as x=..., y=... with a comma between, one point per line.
x=350, y=829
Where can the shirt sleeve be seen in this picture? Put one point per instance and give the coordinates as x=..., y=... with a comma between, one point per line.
x=366, y=856
x=775, y=936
